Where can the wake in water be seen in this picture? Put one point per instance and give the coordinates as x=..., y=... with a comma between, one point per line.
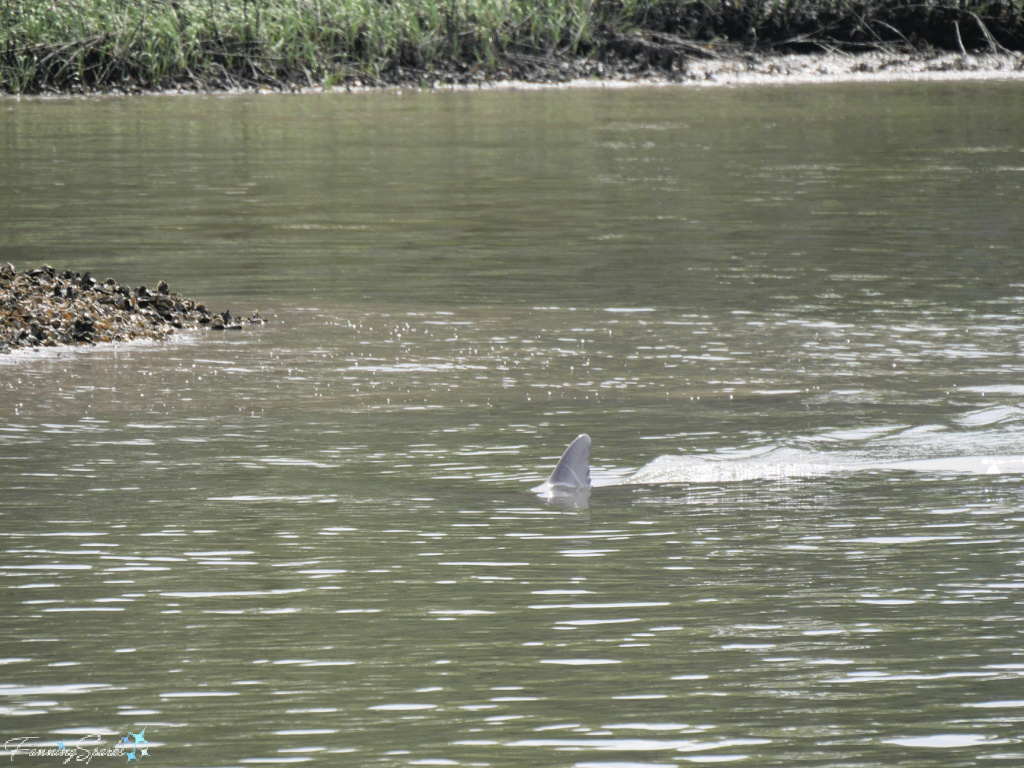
x=783, y=463
x=769, y=464
x=984, y=442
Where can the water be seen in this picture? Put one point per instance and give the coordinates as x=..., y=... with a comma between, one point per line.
x=315, y=542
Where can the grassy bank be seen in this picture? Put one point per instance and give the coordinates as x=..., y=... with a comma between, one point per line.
x=130, y=45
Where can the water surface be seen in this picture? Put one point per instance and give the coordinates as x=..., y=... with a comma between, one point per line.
x=315, y=542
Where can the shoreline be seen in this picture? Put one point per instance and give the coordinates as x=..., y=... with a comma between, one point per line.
x=778, y=69
x=875, y=66
x=734, y=69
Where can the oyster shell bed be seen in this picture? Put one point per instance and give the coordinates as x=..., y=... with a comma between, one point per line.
x=46, y=308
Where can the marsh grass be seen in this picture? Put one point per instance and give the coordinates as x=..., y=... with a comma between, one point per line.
x=87, y=45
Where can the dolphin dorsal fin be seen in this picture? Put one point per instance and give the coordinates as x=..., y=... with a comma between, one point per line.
x=573, y=469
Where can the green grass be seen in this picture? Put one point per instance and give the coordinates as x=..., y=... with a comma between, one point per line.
x=85, y=45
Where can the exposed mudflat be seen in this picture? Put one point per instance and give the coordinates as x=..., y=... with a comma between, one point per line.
x=748, y=69
x=886, y=66
x=706, y=68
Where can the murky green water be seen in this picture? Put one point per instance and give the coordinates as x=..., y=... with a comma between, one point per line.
x=315, y=542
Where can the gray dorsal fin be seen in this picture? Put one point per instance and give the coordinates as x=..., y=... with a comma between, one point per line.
x=573, y=469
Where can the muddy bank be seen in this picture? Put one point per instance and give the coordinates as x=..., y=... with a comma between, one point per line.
x=879, y=65
x=46, y=308
x=689, y=65
x=729, y=69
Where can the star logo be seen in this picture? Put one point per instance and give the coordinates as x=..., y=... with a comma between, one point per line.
x=131, y=745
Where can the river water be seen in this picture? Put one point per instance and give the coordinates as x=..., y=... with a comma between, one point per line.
x=797, y=311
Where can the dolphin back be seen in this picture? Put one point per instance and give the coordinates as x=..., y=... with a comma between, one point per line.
x=572, y=473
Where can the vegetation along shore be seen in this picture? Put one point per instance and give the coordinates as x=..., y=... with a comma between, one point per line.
x=46, y=308
x=85, y=46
